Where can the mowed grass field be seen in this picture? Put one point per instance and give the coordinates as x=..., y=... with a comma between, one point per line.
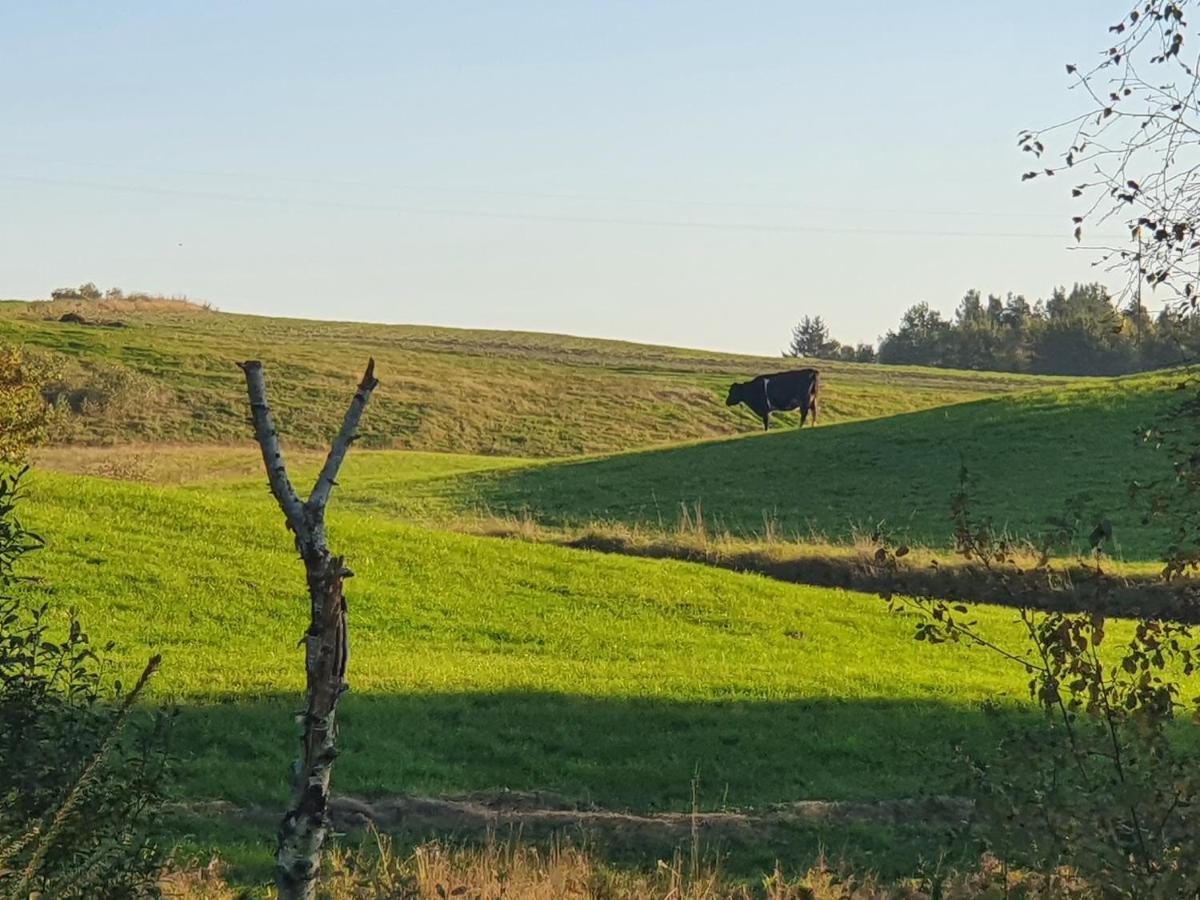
x=487, y=666
x=450, y=615
x=483, y=665
x=171, y=374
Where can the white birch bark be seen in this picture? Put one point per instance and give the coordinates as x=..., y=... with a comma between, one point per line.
x=306, y=822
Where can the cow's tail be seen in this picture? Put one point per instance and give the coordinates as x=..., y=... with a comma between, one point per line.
x=813, y=389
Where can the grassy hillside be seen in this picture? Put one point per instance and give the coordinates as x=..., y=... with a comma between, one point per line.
x=1065, y=452
x=486, y=665
x=170, y=374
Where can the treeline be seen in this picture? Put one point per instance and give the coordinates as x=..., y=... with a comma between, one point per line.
x=1080, y=331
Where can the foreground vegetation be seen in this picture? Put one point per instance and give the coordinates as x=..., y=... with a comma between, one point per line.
x=514, y=869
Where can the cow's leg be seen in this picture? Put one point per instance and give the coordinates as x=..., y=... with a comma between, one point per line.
x=766, y=420
x=814, y=411
x=803, y=415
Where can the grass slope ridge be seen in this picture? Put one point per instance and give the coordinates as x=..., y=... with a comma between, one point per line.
x=1067, y=452
x=170, y=374
x=1062, y=453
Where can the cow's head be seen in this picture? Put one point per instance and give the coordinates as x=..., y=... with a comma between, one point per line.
x=735, y=394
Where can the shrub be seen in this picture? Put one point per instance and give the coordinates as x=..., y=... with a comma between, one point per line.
x=86, y=291
x=24, y=417
x=81, y=789
x=117, y=298
x=1105, y=784
x=110, y=395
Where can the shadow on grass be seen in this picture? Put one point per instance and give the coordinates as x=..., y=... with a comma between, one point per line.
x=1032, y=456
x=752, y=760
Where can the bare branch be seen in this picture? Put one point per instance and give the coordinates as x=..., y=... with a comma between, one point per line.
x=346, y=436
x=268, y=442
x=1139, y=135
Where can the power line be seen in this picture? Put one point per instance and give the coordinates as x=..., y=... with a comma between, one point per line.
x=544, y=195
x=534, y=217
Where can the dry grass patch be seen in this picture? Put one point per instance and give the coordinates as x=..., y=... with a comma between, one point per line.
x=437, y=871
x=157, y=463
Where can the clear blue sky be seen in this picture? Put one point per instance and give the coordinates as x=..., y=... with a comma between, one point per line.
x=688, y=173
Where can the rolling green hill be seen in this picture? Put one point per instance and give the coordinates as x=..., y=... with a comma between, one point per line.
x=170, y=374
x=1067, y=452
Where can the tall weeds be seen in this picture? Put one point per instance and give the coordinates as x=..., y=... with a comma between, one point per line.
x=513, y=870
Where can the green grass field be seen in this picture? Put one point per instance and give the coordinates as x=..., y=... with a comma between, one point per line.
x=442, y=618
x=481, y=665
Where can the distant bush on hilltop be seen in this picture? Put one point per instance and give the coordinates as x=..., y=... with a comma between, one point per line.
x=89, y=293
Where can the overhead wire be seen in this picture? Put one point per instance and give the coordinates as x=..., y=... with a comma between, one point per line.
x=534, y=217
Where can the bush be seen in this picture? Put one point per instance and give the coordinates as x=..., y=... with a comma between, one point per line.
x=81, y=789
x=86, y=291
x=1105, y=783
x=24, y=417
x=111, y=397
x=116, y=297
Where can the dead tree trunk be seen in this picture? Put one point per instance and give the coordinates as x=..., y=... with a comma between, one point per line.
x=302, y=831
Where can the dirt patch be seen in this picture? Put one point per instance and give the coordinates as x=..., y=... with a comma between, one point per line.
x=536, y=814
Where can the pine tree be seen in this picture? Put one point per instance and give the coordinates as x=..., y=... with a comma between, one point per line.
x=811, y=339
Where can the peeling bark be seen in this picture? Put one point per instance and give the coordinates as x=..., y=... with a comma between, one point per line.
x=302, y=831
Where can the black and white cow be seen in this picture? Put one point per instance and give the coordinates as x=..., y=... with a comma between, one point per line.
x=780, y=392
